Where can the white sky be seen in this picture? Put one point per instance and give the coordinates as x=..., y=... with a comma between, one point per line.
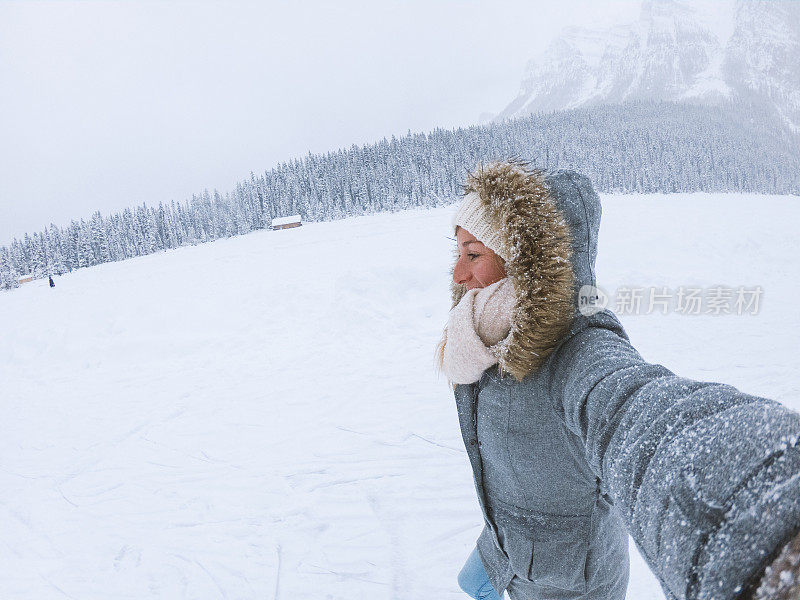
x=104, y=105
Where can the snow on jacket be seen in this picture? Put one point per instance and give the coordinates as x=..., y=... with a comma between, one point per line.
x=575, y=440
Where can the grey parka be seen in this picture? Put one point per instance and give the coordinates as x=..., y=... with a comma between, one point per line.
x=575, y=441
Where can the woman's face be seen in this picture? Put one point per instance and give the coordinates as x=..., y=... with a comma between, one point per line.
x=477, y=265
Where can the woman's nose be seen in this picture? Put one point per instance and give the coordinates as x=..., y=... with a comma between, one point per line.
x=460, y=273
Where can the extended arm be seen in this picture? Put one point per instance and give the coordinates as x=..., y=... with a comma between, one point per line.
x=707, y=478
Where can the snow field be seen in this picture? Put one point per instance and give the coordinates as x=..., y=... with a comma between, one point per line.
x=259, y=417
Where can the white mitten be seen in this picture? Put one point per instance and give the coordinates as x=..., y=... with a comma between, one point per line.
x=494, y=305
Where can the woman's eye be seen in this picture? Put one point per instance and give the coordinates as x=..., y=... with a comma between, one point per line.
x=473, y=256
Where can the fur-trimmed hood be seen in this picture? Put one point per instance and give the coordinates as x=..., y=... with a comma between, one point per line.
x=549, y=222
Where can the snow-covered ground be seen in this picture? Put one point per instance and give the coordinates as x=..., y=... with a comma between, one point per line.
x=259, y=417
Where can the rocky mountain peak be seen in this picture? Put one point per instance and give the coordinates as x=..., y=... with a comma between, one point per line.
x=699, y=51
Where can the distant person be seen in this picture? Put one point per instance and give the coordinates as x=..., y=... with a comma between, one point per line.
x=575, y=441
x=52, y=283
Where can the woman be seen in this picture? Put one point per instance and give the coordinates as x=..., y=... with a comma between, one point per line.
x=575, y=441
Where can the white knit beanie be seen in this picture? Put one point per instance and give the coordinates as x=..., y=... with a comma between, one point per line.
x=472, y=216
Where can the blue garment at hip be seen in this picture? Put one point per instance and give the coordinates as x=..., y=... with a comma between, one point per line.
x=474, y=581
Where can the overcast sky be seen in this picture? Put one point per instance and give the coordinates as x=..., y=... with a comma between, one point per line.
x=105, y=104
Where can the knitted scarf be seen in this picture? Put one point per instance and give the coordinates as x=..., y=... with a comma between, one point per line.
x=476, y=329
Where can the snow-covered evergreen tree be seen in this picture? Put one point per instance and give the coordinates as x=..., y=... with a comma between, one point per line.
x=99, y=238
x=637, y=147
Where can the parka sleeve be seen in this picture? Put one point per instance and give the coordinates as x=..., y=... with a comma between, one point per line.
x=706, y=477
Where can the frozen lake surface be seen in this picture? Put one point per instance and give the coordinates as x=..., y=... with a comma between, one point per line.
x=259, y=417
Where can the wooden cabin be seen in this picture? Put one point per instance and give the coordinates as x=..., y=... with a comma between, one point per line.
x=26, y=278
x=286, y=222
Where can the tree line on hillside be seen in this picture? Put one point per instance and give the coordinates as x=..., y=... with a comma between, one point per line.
x=639, y=147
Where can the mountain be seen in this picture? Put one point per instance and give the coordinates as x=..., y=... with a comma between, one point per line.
x=675, y=51
x=763, y=56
